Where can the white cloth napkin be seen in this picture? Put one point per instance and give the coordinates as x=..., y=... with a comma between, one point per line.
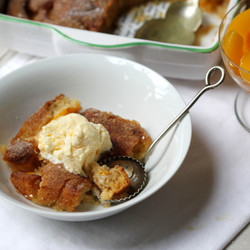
x=203, y=206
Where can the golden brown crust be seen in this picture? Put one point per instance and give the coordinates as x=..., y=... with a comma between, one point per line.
x=60, y=188
x=95, y=15
x=27, y=184
x=128, y=137
x=60, y=105
x=72, y=194
x=55, y=187
x=21, y=155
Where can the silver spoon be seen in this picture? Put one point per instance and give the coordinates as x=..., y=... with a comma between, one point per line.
x=134, y=168
x=182, y=20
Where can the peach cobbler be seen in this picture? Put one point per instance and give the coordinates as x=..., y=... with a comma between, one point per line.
x=54, y=156
x=93, y=15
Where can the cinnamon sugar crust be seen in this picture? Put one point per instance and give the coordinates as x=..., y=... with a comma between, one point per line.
x=26, y=183
x=21, y=155
x=61, y=189
x=60, y=105
x=127, y=136
x=53, y=187
x=94, y=15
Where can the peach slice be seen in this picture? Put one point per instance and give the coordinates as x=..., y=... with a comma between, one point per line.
x=233, y=46
x=246, y=47
x=245, y=64
x=241, y=23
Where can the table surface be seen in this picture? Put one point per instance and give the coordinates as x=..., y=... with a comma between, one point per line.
x=195, y=220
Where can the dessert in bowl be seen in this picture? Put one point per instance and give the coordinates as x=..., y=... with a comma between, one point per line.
x=234, y=38
x=106, y=83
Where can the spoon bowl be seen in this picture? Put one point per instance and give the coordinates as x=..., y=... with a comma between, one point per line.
x=182, y=20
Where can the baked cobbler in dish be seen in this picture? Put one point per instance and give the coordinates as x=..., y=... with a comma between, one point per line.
x=94, y=15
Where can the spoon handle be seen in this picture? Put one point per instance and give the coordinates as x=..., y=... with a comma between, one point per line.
x=188, y=107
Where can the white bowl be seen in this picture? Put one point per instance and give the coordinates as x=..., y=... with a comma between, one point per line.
x=108, y=83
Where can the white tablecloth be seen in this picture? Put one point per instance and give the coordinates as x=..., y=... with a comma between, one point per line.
x=202, y=207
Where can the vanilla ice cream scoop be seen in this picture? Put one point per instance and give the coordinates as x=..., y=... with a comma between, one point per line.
x=73, y=141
